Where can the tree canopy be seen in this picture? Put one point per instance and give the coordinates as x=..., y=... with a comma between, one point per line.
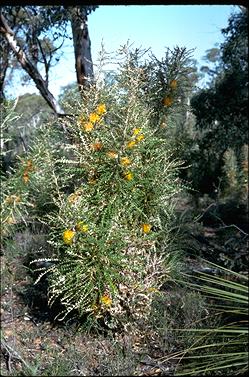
x=33, y=36
x=222, y=108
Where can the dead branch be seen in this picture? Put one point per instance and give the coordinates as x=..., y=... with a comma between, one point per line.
x=9, y=353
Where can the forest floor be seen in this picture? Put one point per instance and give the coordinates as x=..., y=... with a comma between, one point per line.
x=32, y=344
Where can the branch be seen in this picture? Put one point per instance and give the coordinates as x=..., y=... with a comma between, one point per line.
x=232, y=226
x=28, y=66
x=9, y=353
x=46, y=63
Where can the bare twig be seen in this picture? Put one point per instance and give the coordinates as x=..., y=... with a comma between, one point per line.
x=9, y=353
x=200, y=216
x=231, y=226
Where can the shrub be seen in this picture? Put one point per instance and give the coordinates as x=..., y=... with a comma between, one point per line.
x=105, y=190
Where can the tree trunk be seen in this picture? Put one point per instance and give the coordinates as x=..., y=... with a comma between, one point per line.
x=4, y=61
x=82, y=47
x=28, y=66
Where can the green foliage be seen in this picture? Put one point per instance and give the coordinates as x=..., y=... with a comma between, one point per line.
x=8, y=116
x=69, y=97
x=110, y=233
x=222, y=127
x=235, y=178
x=168, y=84
x=28, y=189
x=19, y=125
x=103, y=181
x=223, y=349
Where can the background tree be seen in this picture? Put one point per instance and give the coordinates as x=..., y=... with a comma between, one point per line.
x=35, y=34
x=221, y=110
x=31, y=111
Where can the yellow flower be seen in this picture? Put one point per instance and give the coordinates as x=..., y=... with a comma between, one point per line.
x=97, y=146
x=12, y=199
x=93, y=117
x=25, y=177
x=10, y=220
x=88, y=126
x=106, y=300
x=139, y=137
x=173, y=84
x=29, y=166
x=92, y=181
x=136, y=131
x=112, y=154
x=68, y=236
x=128, y=176
x=81, y=227
x=101, y=109
x=125, y=161
x=152, y=289
x=146, y=228
x=167, y=101
x=73, y=197
x=131, y=144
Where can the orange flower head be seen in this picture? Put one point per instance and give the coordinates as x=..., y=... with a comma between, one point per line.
x=140, y=137
x=81, y=227
x=125, y=161
x=25, y=177
x=68, y=236
x=101, y=109
x=167, y=101
x=73, y=198
x=29, y=165
x=93, y=117
x=88, y=126
x=97, y=146
x=128, y=176
x=173, y=84
x=146, y=228
x=12, y=199
x=106, y=300
x=131, y=144
x=136, y=131
x=112, y=154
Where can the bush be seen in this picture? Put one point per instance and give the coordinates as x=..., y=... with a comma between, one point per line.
x=103, y=181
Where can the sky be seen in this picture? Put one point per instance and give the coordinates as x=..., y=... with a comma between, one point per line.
x=157, y=27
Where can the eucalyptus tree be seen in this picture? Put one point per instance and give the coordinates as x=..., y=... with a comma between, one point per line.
x=34, y=35
x=221, y=109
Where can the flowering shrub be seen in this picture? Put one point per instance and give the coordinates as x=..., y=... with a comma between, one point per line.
x=110, y=183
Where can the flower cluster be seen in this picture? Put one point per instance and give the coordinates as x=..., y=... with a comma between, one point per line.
x=168, y=99
x=106, y=300
x=73, y=198
x=29, y=167
x=12, y=199
x=137, y=137
x=95, y=117
x=69, y=234
x=146, y=228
